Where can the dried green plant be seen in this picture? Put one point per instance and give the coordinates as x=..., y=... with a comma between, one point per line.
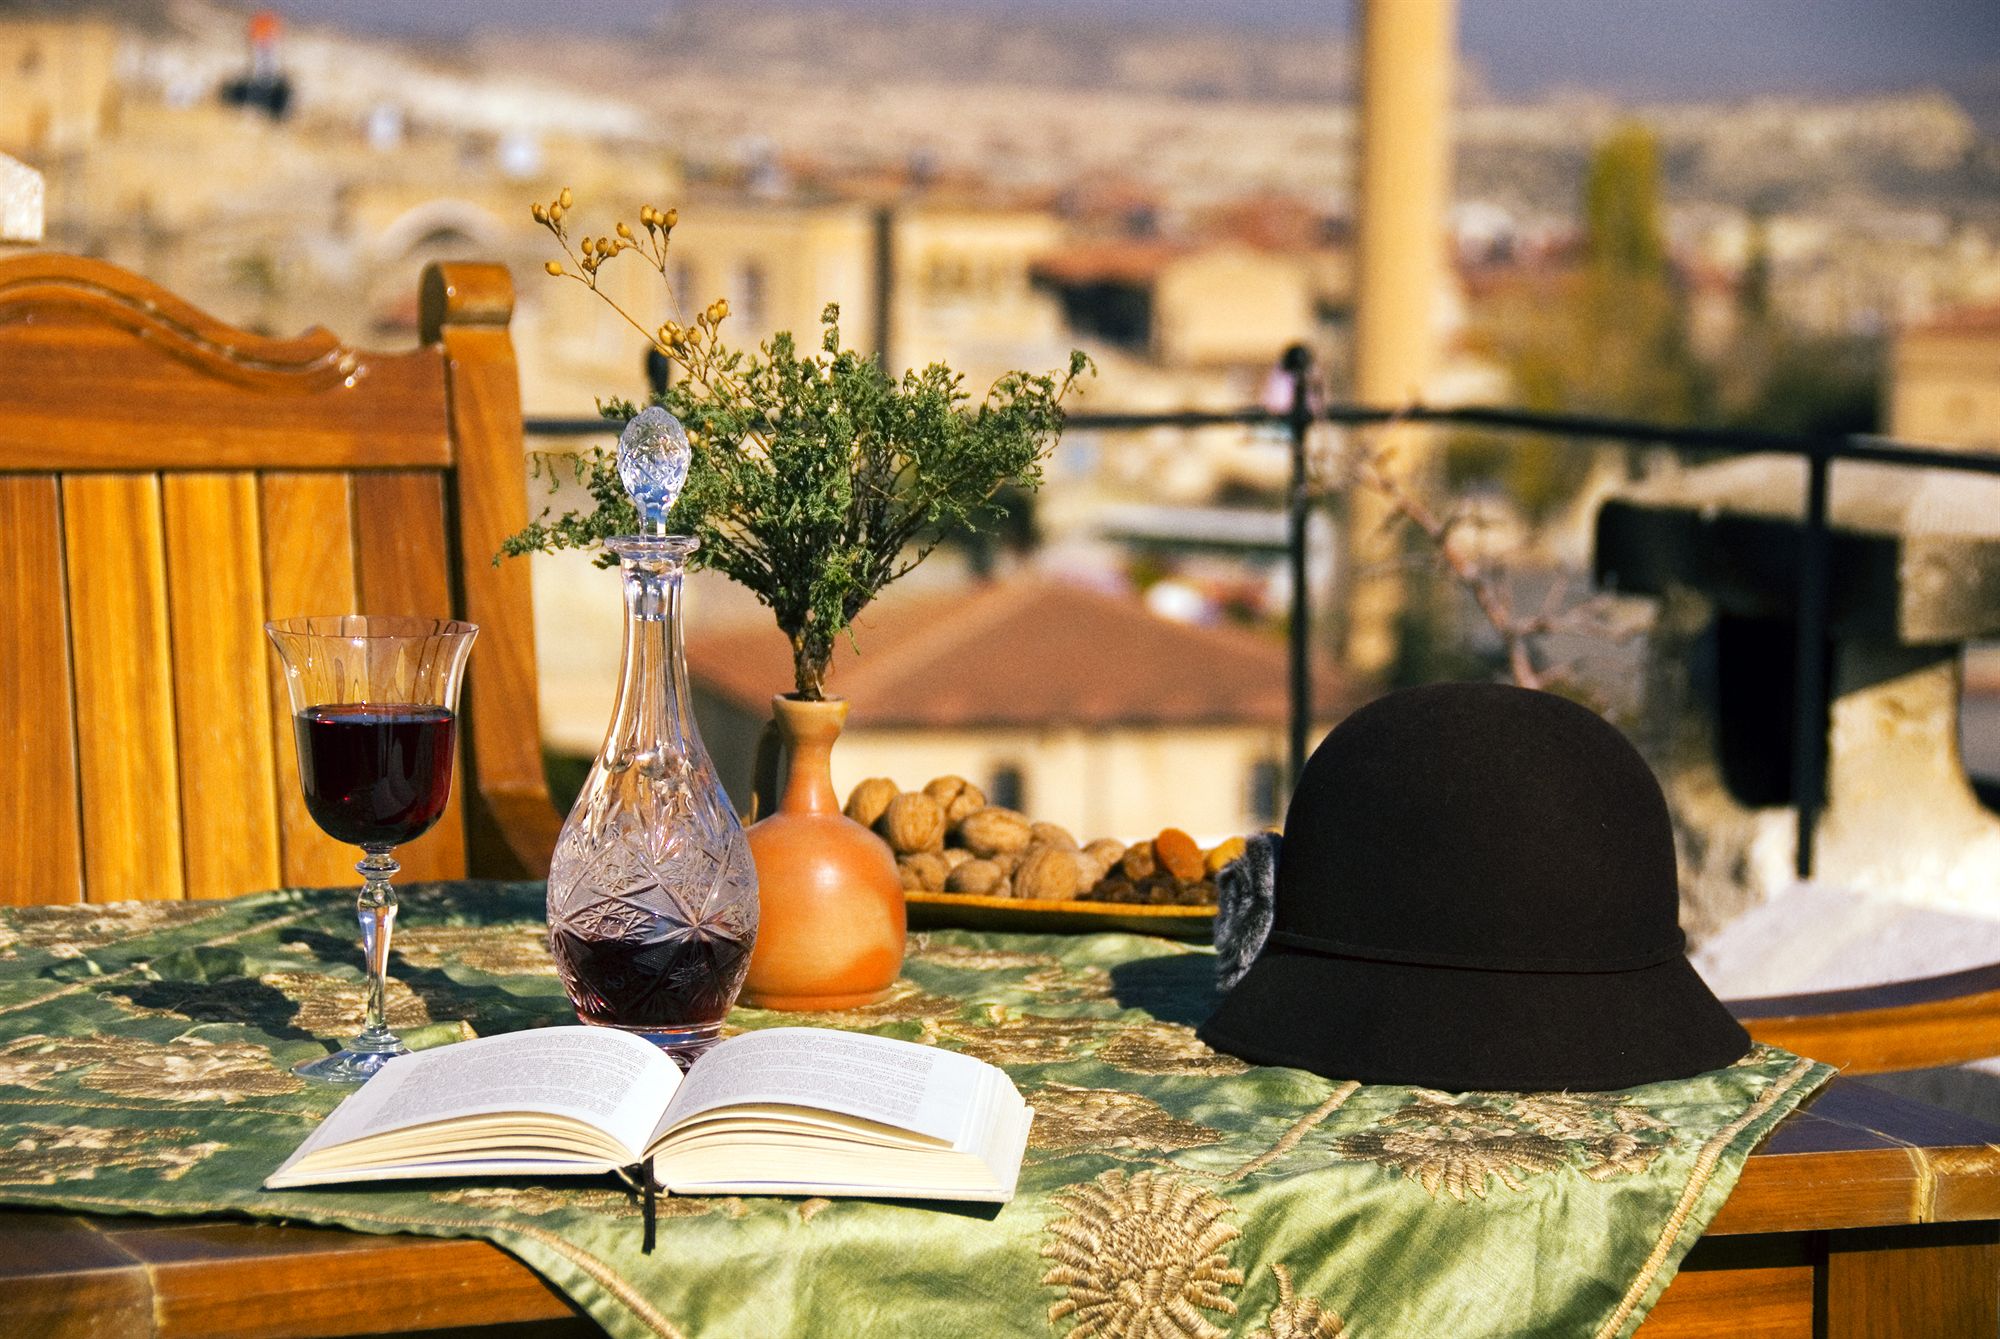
x=817, y=478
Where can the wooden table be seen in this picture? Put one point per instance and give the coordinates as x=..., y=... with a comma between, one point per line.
x=1865, y=1216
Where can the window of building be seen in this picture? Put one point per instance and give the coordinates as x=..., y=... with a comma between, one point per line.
x=1006, y=788
x=1266, y=790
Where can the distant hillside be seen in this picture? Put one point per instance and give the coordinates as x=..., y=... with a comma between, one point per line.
x=849, y=45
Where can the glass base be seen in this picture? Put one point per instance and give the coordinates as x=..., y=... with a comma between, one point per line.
x=346, y=1066
x=683, y=1045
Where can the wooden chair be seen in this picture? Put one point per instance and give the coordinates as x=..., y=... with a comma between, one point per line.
x=168, y=483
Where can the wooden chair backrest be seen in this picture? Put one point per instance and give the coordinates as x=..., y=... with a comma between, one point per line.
x=168, y=483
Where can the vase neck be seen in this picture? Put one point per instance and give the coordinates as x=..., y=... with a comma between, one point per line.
x=809, y=729
x=652, y=719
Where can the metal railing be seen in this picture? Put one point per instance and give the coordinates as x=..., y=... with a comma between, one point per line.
x=1810, y=688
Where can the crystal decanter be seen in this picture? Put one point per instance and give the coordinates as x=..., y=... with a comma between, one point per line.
x=652, y=895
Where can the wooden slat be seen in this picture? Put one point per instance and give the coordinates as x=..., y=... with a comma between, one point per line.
x=222, y=684
x=1908, y=1283
x=115, y=556
x=1918, y=1024
x=404, y=558
x=308, y=569
x=1772, y=1303
x=41, y=831
x=516, y=825
x=193, y=392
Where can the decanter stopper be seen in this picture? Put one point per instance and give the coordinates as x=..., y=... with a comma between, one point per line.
x=653, y=458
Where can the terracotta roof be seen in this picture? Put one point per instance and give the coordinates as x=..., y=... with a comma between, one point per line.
x=1137, y=260
x=1025, y=652
x=1964, y=321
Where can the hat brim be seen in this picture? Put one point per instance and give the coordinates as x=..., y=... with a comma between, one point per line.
x=1465, y=1030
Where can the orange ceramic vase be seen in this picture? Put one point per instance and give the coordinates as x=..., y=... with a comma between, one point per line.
x=830, y=904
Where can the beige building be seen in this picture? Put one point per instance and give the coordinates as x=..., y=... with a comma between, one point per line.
x=1078, y=707
x=57, y=84
x=1945, y=381
x=1224, y=304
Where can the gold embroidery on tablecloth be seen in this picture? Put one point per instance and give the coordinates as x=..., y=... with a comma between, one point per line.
x=906, y=1002
x=1068, y=1118
x=538, y=1201
x=45, y=1155
x=983, y=959
x=191, y=1070
x=69, y=931
x=140, y=968
x=31, y=1061
x=1458, y=1145
x=517, y=948
x=1298, y=1317
x=1144, y=1255
x=1074, y=983
x=1006, y=1038
x=331, y=1006
x=813, y=1208
x=1166, y=1048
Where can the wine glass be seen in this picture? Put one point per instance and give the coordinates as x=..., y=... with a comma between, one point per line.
x=374, y=714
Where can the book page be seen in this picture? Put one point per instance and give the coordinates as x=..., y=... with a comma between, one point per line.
x=917, y=1088
x=598, y=1076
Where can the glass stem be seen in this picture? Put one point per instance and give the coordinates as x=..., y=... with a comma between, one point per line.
x=377, y=909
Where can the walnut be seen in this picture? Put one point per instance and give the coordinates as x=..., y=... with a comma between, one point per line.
x=923, y=872
x=1047, y=874
x=991, y=830
x=1176, y=853
x=1223, y=853
x=866, y=801
x=954, y=856
x=912, y=822
x=1007, y=860
x=1052, y=834
x=1162, y=890
x=1137, y=862
x=976, y=876
x=1106, y=851
x=956, y=796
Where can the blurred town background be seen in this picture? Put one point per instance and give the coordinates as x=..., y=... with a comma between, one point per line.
x=992, y=186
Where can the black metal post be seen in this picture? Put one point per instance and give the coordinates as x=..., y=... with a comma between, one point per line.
x=1811, y=718
x=1299, y=421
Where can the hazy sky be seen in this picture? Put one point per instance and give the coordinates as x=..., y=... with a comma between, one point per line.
x=1637, y=48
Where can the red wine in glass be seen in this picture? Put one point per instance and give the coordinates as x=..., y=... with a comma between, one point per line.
x=375, y=775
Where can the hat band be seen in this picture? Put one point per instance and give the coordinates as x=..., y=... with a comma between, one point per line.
x=1339, y=948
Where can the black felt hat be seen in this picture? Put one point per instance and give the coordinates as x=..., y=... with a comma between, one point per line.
x=1477, y=891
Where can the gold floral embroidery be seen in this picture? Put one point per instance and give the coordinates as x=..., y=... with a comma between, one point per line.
x=1298, y=1317
x=1166, y=1048
x=331, y=1006
x=1076, y=983
x=1069, y=1118
x=518, y=948
x=1615, y=1137
x=906, y=1002
x=982, y=959
x=31, y=1061
x=1025, y=1039
x=813, y=1208
x=1141, y=1258
x=44, y=1155
x=191, y=1071
x=69, y=931
x=1458, y=1144
x=537, y=1201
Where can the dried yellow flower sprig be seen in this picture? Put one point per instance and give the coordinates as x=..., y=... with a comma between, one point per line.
x=692, y=346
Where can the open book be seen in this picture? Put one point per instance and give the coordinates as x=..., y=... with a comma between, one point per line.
x=787, y=1111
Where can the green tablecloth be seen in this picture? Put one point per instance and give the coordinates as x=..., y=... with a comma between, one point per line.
x=1169, y=1192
